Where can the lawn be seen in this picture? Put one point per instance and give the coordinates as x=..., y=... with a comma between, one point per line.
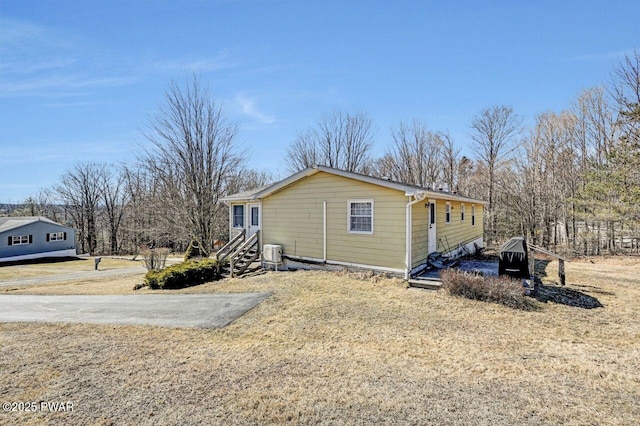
x=331, y=348
x=35, y=269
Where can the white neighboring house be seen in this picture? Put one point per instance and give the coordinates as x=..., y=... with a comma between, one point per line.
x=23, y=238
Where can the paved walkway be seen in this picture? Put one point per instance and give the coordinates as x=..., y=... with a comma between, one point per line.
x=174, y=310
x=74, y=276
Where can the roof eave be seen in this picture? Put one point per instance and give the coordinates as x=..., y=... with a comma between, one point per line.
x=409, y=191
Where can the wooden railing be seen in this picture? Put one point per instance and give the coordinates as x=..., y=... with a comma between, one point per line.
x=243, y=257
x=561, y=260
x=458, y=247
x=223, y=254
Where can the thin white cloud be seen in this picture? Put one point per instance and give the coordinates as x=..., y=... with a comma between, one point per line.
x=53, y=151
x=39, y=62
x=40, y=85
x=601, y=56
x=225, y=59
x=13, y=31
x=26, y=67
x=248, y=106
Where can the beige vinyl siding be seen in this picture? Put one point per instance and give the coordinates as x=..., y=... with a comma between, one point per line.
x=293, y=217
x=479, y=219
x=420, y=233
x=450, y=235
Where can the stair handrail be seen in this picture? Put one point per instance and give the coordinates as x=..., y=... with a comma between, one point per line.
x=240, y=252
x=247, y=244
x=226, y=249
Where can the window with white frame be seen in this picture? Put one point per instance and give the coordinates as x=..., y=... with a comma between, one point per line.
x=447, y=212
x=16, y=240
x=473, y=215
x=56, y=236
x=255, y=216
x=461, y=212
x=360, y=214
x=238, y=216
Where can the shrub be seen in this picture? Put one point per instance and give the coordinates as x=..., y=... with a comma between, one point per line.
x=151, y=279
x=183, y=274
x=503, y=290
x=155, y=259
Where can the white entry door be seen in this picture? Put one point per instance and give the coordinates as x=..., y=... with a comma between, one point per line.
x=254, y=219
x=432, y=243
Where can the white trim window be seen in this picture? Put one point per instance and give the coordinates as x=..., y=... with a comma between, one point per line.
x=473, y=215
x=360, y=216
x=447, y=212
x=16, y=240
x=461, y=212
x=238, y=216
x=56, y=236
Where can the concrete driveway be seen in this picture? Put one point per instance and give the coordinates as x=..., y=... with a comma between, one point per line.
x=175, y=310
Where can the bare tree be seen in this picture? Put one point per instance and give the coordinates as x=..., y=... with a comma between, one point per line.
x=494, y=133
x=451, y=161
x=595, y=126
x=626, y=154
x=114, y=199
x=193, y=152
x=40, y=204
x=465, y=173
x=625, y=90
x=303, y=153
x=149, y=219
x=340, y=140
x=415, y=157
x=80, y=191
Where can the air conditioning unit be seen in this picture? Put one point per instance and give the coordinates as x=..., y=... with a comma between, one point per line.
x=272, y=253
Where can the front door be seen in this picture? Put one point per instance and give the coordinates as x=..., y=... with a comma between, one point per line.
x=432, y=243
x=254, y=219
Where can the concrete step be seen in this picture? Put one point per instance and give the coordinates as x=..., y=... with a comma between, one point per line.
x=425, y=284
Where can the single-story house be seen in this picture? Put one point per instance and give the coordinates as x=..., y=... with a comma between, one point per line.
x=24, y=238
x=327, y=215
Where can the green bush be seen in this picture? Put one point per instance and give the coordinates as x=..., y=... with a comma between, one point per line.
x=503, y=290
x=183, y=274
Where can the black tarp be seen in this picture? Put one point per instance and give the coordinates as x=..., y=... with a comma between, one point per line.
x=514, y=258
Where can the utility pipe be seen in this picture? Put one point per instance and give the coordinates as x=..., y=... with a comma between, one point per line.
x=409, y=242
x=324, y=230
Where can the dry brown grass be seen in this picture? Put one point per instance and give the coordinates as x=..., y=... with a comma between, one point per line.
x=107, y=285
x=32, y=270
x=334, y=349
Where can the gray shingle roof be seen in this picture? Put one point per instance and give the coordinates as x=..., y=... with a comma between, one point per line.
x=8, y=223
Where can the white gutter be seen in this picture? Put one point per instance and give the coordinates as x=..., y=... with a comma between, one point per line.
x=409, y=243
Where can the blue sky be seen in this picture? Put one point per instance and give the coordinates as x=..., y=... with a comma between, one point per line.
x=80, y=79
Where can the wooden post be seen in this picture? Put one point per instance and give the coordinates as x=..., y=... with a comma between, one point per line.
x=532, y=263
x=561, y=271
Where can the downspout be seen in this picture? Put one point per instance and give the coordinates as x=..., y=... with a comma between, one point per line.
x=409, y=242
x=324, y=231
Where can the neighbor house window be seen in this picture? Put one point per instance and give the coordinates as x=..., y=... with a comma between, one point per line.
x=360, y=214
x=473, y=215
x=461, y=212
x=56, y=236
x=16, y=240
x=238, y=216
x=447, y=212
